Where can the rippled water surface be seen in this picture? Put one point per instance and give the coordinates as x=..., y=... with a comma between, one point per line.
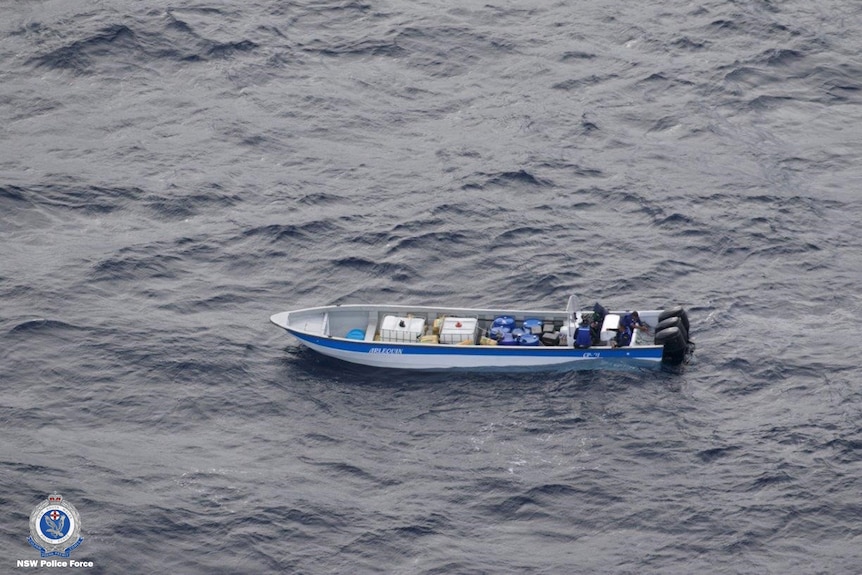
x=172, y=174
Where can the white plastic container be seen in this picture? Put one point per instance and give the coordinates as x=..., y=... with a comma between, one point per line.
x=401, y=329
x=458, y=330
x=609, y=327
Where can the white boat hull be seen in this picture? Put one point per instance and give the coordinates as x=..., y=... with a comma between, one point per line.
x=352, y=333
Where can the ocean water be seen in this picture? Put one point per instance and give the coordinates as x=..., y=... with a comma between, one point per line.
x=172, y=174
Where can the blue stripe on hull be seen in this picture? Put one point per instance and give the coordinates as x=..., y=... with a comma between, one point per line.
x=379, y=354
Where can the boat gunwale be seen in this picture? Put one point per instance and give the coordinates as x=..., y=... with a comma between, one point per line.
x=425, y=309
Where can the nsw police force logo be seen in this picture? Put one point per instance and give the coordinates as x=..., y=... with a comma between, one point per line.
x=55, y=527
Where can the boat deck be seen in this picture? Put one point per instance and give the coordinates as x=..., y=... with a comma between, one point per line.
x=446, y=326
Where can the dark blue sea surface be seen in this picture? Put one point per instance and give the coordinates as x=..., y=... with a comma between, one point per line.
x=172, y=174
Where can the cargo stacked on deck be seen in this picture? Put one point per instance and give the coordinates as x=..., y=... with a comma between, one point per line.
x=459, y=330
x=402, y=329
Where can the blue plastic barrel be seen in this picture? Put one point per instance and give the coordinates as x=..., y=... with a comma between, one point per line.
x=508, y=340
x=532, y=325
x=505, y=321
x=497, y=332
x=528, y=339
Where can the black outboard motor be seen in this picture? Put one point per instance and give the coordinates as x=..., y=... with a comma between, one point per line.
x=675, y=346
x=672, y=332
x=675, y=311
x=675, y=321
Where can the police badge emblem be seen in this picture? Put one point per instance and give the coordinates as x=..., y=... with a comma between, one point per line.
x=55, y=527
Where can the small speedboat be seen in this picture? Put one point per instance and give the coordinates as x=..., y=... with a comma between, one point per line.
x=443, y=338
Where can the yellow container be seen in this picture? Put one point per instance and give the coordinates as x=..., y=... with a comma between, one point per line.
x=438, y=323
